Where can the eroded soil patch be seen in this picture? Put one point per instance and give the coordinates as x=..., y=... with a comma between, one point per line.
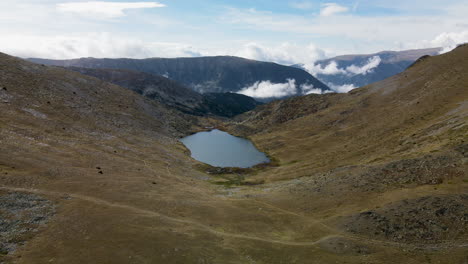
x=21, y=215
x=426, y=220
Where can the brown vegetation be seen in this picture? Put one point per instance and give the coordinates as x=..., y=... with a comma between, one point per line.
x=374, y=176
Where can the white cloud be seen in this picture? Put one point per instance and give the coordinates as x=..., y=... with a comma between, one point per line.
x=348, y=33
x=285, y=53
x=365, y=69
x=310, y=89
x=330, y=9
x=449, y=41
x=330, y=69
x=333, y=69
x=341, y=88
x=101, y=45
x=302, y=5
x=353, y=33
x=267, y=89
x=104, y=9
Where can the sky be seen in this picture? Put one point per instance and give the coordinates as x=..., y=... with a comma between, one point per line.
x=286, y=31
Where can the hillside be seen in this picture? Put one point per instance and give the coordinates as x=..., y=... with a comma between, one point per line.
x=203, y=74
x=92, y=172
x=420, y=111
x=387, y=161
x=173, y=94
x=390, y=63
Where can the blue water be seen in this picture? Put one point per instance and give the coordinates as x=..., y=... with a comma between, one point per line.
x=221, y=149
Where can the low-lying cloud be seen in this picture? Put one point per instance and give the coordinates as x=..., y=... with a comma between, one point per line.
x=101, y=9
x=449, y=41
x=341, y=88
x=352, y=70
x=310, y=89
x=267, y=89
x=365, y=69
x=330, y=69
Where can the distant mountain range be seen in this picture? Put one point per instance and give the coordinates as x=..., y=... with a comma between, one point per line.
x=185, y=83
x=219, y=74
x=364, y=69
x=173, y=94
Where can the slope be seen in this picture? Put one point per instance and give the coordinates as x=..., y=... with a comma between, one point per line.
x=173, y=94
x=387, y=161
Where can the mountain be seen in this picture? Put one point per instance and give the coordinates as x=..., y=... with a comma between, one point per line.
x=386, y=163
x=228, y=104
x=91, y=172
x=361, y=70
x=173, y=94
x=203, y=74
x=155, y=87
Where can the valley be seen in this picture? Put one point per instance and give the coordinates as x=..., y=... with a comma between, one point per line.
x=376, y=175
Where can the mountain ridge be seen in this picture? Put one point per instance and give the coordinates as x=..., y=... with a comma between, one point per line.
x=173, y=94
x=204, y=74
x=385, y=65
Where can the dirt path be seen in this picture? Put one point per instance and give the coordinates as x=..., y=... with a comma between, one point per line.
x=216, y=232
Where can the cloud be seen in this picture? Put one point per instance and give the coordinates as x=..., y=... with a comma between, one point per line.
x=285, y=53
x=112, y=45
x=310, y=89
x=333, y=69
x=365, y=69
x=330, y=9
x=449, y=41
x=330, y=69
x=354, y=33
x=101, y=45
x=302, y=5
x=341, y=88
x=104, y=9
x=267, y=89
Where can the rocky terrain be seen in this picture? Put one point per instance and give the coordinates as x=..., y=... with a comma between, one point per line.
x=220, y=74
x=21, y=214
x=374, y=176
x=426, y=220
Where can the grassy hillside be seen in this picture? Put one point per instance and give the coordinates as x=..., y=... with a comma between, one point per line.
x=387, y=161
x=173, y=94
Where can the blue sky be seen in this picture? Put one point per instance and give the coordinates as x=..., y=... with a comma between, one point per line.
x=285, y=31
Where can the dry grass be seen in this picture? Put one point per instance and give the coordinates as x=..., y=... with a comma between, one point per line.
x=153, y=204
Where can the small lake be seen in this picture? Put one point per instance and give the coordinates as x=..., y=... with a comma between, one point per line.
x=220, y=149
